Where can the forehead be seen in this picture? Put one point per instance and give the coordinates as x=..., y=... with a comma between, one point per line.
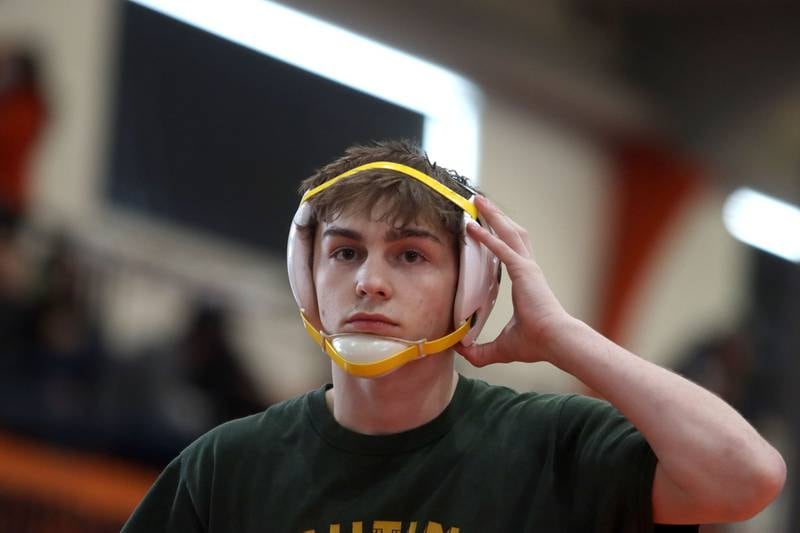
x=362, y=225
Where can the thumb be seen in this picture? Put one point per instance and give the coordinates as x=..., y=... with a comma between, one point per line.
x=479, y=354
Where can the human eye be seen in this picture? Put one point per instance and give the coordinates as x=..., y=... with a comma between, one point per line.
x=411, y=256
x=345, y=254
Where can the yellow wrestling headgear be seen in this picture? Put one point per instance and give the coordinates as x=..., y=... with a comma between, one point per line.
x=367, y=355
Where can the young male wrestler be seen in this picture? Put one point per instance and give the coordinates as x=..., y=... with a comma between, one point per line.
x=400, y=442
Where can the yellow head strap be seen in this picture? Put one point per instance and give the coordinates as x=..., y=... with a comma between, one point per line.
x=445, y=191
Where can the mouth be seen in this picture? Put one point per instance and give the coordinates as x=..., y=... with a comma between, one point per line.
x=370, y=323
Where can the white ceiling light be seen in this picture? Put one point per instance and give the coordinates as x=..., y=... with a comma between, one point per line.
x=450, y=104
x=764, y=222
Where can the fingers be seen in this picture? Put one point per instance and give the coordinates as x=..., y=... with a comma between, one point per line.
x=508, y=255
x=509, y=231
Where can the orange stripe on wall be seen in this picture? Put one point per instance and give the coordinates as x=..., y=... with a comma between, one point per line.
x=94, y=486
x=652, y=187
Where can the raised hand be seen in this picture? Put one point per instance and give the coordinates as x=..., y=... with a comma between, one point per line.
x=537, y=315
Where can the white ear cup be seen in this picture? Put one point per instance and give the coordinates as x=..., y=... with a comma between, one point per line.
x=298, y=264
x=478, y=283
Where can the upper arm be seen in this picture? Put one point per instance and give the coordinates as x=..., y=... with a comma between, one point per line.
x=607, y=462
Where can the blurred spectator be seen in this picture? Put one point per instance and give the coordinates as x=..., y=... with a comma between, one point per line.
x=67, y=360
x=59, y=383
x=15, y=305
x=166, y=396
x=22, y=117
x=723, y=364
x=53, y=358
x=210, y=363
x=22, y=114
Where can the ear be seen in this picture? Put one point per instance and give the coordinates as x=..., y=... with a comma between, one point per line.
x=298, y=252
x=478, y=284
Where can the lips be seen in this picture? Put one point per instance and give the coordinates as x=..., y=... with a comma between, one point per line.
x=370, y=323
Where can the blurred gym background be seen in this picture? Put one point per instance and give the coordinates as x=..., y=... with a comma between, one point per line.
x=147, y=177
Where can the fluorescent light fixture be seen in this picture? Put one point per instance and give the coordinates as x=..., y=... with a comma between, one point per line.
x=450, y=104
x=764, y=222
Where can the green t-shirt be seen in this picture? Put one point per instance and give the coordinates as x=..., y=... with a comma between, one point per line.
x=493, y=461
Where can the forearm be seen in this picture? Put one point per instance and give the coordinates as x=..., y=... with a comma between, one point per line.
x=703, y=445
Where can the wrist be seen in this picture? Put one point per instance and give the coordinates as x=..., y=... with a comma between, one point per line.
x=559, y=336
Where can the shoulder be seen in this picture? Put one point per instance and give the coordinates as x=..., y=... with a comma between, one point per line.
x=500, y=399
x=502, y=409
x=594, y=432
x=563, y=416
x=561, y=407
x=240, y=453
x=587, y=414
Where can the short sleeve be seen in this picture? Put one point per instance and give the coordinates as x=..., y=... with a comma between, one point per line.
x=167, y=506
x=604, y=468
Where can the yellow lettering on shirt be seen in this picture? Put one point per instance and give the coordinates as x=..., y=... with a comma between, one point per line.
x=435, y=527
x=390, y=526
x=384, y=526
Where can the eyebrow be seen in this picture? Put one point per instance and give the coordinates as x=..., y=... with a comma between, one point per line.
x=336, y=231
x=394, y=234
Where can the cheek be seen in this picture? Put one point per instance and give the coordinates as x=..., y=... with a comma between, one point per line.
x=323, y=293
x=434, y=303
x=333, y=296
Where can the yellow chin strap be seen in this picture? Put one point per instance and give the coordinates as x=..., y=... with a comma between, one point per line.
x=417, y=350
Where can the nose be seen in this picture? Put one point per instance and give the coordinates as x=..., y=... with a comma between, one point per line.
x=373, y=280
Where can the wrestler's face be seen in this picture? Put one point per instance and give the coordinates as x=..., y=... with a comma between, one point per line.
x=371, y=277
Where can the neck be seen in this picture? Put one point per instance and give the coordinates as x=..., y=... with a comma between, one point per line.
x=407, y=398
